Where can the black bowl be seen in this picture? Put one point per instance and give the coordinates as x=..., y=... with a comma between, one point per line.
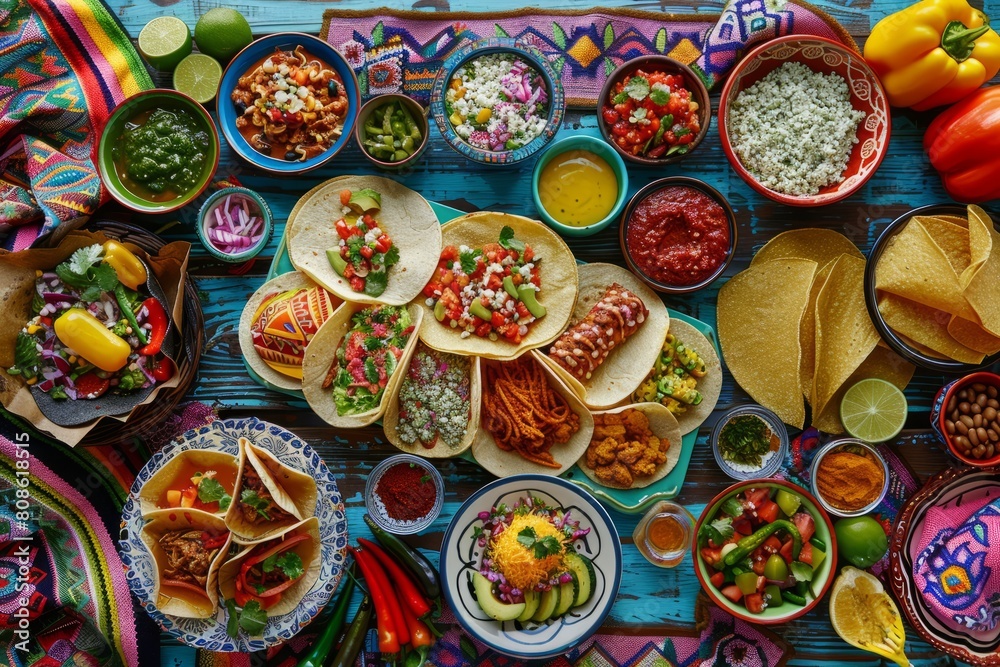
x=891, y=338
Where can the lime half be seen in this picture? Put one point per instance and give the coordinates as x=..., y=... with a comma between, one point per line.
x=198, y=76
x=164, y=42
x=873, y=410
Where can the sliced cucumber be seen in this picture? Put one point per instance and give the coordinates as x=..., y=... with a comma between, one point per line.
x=547, y=605
x=494, y=608
x=567, y=597
x=583, y=569
x=531, y=601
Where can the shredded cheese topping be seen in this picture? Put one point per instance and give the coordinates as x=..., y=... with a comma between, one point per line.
x=517, y=562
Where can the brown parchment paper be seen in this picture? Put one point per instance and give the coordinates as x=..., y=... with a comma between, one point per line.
x=17, y=285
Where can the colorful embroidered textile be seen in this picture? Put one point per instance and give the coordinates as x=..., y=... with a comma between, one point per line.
x=393, y=51
x=64, y=65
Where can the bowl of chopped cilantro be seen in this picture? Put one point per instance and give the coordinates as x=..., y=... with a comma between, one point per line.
x=749, y=442
x=158, y=151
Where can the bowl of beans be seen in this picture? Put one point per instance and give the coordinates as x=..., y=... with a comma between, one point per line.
x=404, y=494
x=966, y=417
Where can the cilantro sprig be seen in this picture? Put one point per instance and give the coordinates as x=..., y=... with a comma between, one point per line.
x=508, y=241
x=717, y=531
x=290, y=563
x=252, y=619
x=541, y=547
x=250, y=498
x=86, y=271
x=210, y=491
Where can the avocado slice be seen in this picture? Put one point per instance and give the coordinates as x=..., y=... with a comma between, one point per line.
x=494, y=608
x=439, y=311
x=583, y=569
x=338, y=263
x=567, y=597
x=510, y=287
x=527, y=296
x=479, y=310
x=365, y=200
x=548, y=604
x=531, y=601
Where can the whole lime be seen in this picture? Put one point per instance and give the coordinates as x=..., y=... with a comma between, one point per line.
x=221, y=33
x=861, y=540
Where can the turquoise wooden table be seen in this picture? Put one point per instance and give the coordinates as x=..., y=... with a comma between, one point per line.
x=653, y=597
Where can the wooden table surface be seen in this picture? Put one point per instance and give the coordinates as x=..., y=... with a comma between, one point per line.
x=652, y=596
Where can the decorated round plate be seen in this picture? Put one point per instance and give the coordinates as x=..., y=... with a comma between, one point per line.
x=210, y=633
x=461, y=556
x=978, y=642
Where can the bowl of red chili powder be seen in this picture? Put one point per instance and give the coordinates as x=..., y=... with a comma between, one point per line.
x=678, y=234
x=404, y=494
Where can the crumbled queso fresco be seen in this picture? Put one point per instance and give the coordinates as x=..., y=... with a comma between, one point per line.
x=497, y=102
x=434, y=399
x=794, y=129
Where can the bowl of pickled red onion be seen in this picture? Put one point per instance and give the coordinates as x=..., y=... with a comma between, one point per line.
x=234, y=224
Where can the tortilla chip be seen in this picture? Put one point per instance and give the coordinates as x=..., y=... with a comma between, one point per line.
x=926, y=325
x=390, y=422
x=504, y=464
x=310, y=551
x=822, y=246
x=974, y=336
x=287, y=282
x=321, y=353
x=177, y=601
x=558, y=275
x=622, y=370
x=983, y=287
x=759, y=314
x=164, y=478
x=952, y=238
x=405, y=216
x=881, y=363
x=807, y=333
x=664, y=426
x=914, y=267
x=845, y=335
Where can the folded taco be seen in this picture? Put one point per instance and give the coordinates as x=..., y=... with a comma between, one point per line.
x=503, y=285
x=367, y=239
x=199, y=479
x=270, y=496
x=279, y=321
x=188, y=547
x=276, y=572
x=614, y=336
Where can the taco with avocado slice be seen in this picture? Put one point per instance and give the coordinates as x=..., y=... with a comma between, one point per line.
x=503, y=285
x=188, y=547
x=616, y=331
x=366, y=239
x=279, y=321
x=270, y=496
x=276, y=572
x=199, y=479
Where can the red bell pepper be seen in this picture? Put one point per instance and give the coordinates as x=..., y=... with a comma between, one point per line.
x=157, y=318
x=963, y=143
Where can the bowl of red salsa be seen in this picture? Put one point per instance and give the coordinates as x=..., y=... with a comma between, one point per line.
x=404, y=494
x=654, y=110
x=678, y=234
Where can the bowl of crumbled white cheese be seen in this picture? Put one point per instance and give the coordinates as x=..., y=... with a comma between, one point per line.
x=804, y=120
x=497, y=101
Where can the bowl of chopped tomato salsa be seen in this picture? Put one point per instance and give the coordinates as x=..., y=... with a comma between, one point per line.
x=654, y=110
x=678, y=234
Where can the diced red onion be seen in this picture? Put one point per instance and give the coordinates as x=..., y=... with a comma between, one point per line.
x=231, y=227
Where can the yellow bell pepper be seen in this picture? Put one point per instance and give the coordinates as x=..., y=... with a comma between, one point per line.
x=933, y=53
x=130, y=269
x=85, y=335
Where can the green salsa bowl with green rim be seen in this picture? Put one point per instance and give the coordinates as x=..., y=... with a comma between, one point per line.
x=135, y=195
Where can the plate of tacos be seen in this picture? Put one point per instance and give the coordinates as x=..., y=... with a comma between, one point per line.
x=234, y=536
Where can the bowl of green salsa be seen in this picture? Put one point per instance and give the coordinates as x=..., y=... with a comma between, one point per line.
x=158, y=151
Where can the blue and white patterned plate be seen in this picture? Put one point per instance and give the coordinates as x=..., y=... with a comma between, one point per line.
x=224, y=435
x=461, y=556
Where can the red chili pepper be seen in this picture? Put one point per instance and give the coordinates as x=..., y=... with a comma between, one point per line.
x=162, y=370
x=157, y=318
x=408, y=593
x=388, y=637
x=420, y=635
x=395, y=608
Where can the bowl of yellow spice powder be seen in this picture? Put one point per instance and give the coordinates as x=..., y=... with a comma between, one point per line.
x=849, y=477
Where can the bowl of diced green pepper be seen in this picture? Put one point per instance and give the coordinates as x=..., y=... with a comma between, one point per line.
x=392, y=131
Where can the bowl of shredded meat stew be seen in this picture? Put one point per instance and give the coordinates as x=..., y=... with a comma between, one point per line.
x=804, y=120
x=288, y=103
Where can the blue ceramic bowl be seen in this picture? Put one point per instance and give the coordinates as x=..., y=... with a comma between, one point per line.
x=534, y=57
x=205, y=222
x=598, y=148
x=245, y=60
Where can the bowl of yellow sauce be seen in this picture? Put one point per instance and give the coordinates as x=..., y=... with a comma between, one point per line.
x=580, y=185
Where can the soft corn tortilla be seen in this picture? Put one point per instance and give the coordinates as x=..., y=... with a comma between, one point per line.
x=177, y=602
x=286, y=282
x=390, y=422
x=621, y=373
x=308, y=550
x=202, y=459
x=760, y=311
x=296, y=493
x=664, y=426
x=504, y=464
x=558, y=276
x=320, y=356
x=710, y=386
x=807, y=333
x=405, y=216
